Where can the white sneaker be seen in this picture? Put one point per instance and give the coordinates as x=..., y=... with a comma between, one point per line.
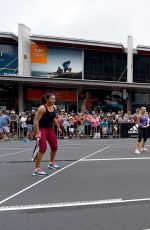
x=145, y=149
x=137, y=151
x=39, y=172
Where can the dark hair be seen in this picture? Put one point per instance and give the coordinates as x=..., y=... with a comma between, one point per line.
x=45, y=97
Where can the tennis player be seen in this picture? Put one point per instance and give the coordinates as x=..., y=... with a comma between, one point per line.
x=143, y=122
x=44, y=122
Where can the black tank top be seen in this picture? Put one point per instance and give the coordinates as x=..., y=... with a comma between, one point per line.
x=47, y=119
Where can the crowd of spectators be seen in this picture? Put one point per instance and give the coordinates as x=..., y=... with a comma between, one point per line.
x=94, y=124
x=73, y=125
x=19, y=126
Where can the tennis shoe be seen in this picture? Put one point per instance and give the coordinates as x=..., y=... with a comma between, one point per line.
x=144, y=149
x=137, y=151
x=53, y=166
x=39, y=172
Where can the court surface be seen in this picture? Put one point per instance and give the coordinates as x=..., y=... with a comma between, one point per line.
x=101, y=185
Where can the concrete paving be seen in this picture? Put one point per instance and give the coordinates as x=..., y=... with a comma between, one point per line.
x=104, y=172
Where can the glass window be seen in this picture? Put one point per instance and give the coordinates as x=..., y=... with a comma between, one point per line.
x=141, y=68
x=140, y=99
x=108, y=66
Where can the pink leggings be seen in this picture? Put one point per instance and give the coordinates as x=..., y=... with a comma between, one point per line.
x=47, y=134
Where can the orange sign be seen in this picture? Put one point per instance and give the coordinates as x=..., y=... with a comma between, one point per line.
x=34, y=94
x=39, y=53
x=61, y=95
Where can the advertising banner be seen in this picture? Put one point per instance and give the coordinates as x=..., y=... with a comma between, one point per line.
x=96, y=100
x=87, y=99
x=56, y=62
x=61, y=95
x=130, y=130
x=39, y=54
x=8, y=59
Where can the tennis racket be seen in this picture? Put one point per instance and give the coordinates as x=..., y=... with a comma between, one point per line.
x=35, y=150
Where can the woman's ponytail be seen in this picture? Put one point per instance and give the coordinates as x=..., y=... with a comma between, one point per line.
x=45, y=97
x=43, y=100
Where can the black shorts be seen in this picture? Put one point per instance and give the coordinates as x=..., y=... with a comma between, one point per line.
x=142, y=134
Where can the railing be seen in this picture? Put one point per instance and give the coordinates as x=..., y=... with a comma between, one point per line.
x=89, y=131
x=18, y=131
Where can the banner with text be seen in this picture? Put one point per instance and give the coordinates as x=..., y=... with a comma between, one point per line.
x=56, y=62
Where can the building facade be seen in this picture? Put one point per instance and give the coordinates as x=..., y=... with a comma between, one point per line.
x=84, y=75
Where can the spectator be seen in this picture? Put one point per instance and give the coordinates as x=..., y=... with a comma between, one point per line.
x=30, y=124
x=13, y=122
x=95, y=126
x=4, y=126
x=23, y=124
x=104, y=126
x=65, y=125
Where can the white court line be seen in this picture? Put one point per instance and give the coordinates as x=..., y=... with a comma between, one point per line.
x=114, y=145
x=13, y=148
x=59, y=205
x=101, y=203
x=45, y=178
x=67, y=146
x=15, y=153
x=122, y=146
x=118, y=159
x=111, y=145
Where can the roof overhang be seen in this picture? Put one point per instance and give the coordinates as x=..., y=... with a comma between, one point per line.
x=6, y=37
x=143, y=50
x=61, y=83
x=77, y=43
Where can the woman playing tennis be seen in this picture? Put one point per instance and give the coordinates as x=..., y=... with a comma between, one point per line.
x=44, y=121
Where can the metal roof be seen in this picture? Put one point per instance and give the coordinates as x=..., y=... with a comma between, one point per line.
x=140, y=47
x=78, y=42
x=143, y=50
x=8, y=37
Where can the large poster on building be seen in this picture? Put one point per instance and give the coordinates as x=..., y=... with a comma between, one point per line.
x=56, y=62
x=96, y=100
x=8, y=59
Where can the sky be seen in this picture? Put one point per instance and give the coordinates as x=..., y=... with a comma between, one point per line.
x=99, y=20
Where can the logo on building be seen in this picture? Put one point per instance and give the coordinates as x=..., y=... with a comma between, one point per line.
x=134, y=129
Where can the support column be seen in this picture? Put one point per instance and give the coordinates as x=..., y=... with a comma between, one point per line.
x=77, y=101
x=130, y=60
x=24, y=51
x=82, y=64
x=129, y=101
x=20, y=97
